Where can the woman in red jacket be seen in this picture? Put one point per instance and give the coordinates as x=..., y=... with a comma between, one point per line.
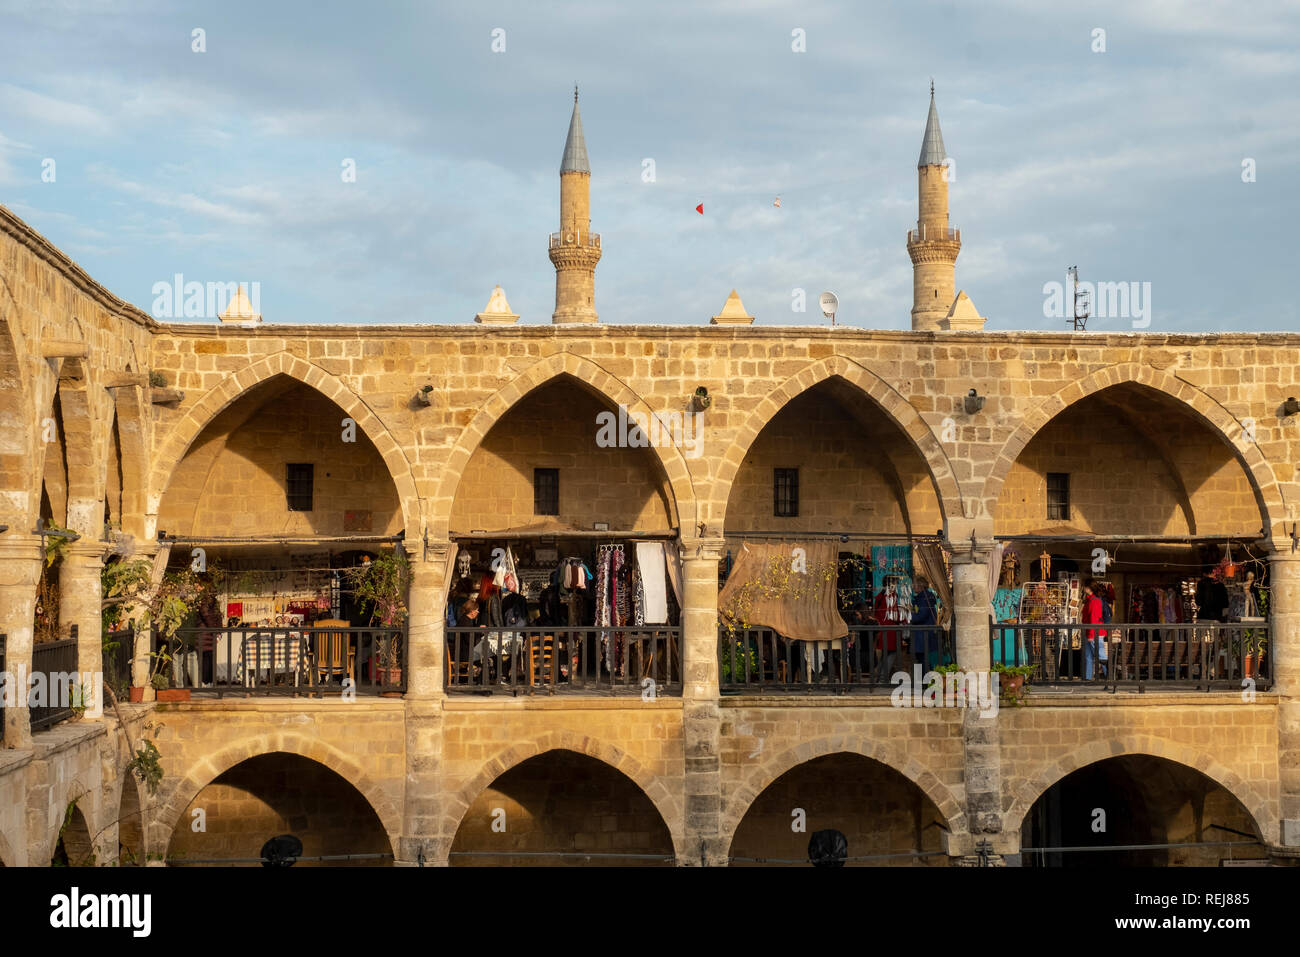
x=1093, y=614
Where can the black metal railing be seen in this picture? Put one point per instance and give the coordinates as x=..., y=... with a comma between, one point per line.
x=645, y=658
x=9, y=679
x=287, y=660
x=1203, y=655
x=56, y=663
x=119, y=653
x=754, y=659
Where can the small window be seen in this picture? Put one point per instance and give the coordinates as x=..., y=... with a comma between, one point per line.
x=298, y=485
x=785, y=492
x=546, y=491
x=1058, y=495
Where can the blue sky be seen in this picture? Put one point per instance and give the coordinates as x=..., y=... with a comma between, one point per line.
x=225, y=165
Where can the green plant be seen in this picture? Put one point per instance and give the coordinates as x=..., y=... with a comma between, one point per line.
x=147, y=766
x=746, y=662
x=159, y=679
x=121, y=584
x=157, y=379
x=380, y=586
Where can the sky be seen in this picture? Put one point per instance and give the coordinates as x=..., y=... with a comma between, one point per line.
x=1170, y=157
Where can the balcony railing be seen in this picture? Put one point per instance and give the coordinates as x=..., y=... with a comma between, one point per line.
x=119, y=652
x=589, y=239
x=57, y=662
x=3, y=639
x=288, y=661
x=950, y=233
x=1203, y=655
x=759, y=660
x=645, y=659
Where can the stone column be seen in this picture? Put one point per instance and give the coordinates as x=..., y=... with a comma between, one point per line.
x=421, y=815
x=701, y=718
x=79, y=604
x=1284, y=652
x=20, y=570
x=980, y=734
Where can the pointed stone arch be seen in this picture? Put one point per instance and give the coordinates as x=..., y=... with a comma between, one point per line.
x=129, y=413
x=210, y=767
x=183, y=434
x=16, y=432
x=892, y=403
x=740, y=797
x=1205, y=408
x=607, y=386
x=654, y=788
x=1035, y=785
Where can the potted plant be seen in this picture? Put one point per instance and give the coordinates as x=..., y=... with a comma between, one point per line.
x=1011, y=681
x=746, y=662
x=379, y=586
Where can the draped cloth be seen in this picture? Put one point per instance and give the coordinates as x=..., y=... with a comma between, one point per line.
x=764, y=591
x=651, y=563
x=930, y=559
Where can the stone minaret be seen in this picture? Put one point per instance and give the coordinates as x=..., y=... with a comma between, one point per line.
x=933, y=245
x=575, y=249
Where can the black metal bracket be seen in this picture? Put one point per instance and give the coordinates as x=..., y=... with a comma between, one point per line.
x=45, y=533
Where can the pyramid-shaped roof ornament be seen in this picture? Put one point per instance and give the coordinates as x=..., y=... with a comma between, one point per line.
x=932, y=151
x=240, y=309
x=962, y=315
x=733, y=313
x=575, y=147
x=497, y=312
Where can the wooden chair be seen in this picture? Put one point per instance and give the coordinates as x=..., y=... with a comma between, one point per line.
x=460, y=672
x=332, y=651
x=541, y=659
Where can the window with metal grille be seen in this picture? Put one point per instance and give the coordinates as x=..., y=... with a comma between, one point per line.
x=1058, y=495
x=298, y=485
x=785, y=492
x=546, y=491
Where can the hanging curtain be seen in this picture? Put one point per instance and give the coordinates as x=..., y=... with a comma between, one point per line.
x=930, y=559
x=765, y=592
x=674, y=556
x=995, y=574
x=651, y=563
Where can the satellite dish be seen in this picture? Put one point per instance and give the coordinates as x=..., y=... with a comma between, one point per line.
x=829, y=303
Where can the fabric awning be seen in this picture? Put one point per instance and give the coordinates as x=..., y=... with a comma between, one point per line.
x=789, y=588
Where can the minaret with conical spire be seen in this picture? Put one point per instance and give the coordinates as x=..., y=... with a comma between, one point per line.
x=575, y=249
x=934, y=244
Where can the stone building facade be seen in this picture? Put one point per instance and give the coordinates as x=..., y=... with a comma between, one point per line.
x=1175, y=435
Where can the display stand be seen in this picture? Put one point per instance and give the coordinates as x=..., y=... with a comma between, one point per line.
x=1045, y=603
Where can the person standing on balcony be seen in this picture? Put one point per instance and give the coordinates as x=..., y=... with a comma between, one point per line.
x=1094, y=639
x=925, y=611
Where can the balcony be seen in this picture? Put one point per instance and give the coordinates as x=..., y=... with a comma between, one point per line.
x=1203, y=656
x=591, y=239
x=645, y=660
x=759, y=661
x=303, y=661
x=56, y=663
x=951, y=234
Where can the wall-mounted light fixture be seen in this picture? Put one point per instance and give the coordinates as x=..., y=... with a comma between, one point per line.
x=162, y=536
x=1291, y=406
x=425, y=395
x=701, y=400
x=973, y=402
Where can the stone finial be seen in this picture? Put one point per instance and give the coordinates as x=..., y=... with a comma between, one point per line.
x=240, y=310
x=733, y=313
x=963, y=316
x=497, y=312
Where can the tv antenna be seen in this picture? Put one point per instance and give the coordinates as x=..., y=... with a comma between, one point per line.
x=1082, y=304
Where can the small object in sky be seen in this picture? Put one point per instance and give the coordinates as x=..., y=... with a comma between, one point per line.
x=777, y=202
x=700, y=209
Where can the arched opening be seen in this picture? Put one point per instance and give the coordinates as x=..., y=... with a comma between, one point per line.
x=1115, y=808
x=276, y=499
x=556, y=426
x=234, y=478
x=834, y=472
x=73, y=847
x=273, y=794
x=130, y=844
x=886, y=818
x=113, y=479
x=562, y=808
x=567, y=482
